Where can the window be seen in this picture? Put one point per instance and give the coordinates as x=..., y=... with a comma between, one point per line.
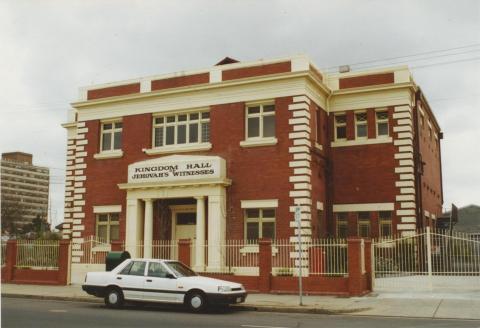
x=361, y=125
x=111, y=136
x=259, y=223
x=135, y=268
x=385, y=222
x=318, y=126
x=261, y=121
x=363, y=224
x=342, y=225
x=108, y=226
x=156, y=269
x=340, y=127
x=181, y=129
x=382, y=123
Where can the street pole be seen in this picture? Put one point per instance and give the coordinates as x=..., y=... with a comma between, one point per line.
x=299, y=234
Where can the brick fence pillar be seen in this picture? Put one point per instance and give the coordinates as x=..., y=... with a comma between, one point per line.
x=184, y=251
x=10, y=260
x=265, y=265
x=64, y=262
x=116, y=246
x=354, y=266
x=368, y=263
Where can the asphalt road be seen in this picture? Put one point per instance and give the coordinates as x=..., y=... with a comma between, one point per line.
x=18, y=312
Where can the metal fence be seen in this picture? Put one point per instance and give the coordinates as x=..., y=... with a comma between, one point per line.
x=37, y=254
x=161, y=249
x=92, y=251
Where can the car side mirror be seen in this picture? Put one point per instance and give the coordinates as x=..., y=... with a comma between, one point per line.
x=170, y=276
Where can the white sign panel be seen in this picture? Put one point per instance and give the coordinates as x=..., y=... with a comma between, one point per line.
x=176, y=168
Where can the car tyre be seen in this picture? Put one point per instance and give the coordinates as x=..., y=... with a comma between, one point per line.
x=196, y=301
x=114, y=298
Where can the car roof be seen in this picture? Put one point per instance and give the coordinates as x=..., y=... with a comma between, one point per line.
x=152, y=260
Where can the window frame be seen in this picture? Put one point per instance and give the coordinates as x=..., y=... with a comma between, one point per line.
x=260, y=220
x=111, y=133
x=385, y=221
x=108, y=223
x=261, y=116
x=364, y=222
x=199, y=121
x=362, y=123
x=344, y=222
x=379, y=121
x=337, y=125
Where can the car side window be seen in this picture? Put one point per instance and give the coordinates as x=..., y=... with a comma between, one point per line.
x=156, y=269
x=136, y=268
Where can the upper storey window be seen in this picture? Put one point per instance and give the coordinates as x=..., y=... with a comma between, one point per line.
x=181, y=129
x=382, y=123
x=111, y=136
x=361, y=126
x=261, y=121
x=340, y=127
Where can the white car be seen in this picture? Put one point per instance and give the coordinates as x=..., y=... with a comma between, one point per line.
x=152, y=280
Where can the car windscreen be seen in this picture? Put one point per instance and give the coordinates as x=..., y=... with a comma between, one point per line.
x=180, y=270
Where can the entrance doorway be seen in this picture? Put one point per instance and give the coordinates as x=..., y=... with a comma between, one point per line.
x=185, y=225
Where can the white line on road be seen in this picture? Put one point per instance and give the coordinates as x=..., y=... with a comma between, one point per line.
x=58, y=311
x=254, y=326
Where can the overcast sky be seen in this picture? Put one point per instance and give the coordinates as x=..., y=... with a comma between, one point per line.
x=50, y=48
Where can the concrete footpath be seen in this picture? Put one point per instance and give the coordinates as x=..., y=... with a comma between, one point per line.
x=420, y=305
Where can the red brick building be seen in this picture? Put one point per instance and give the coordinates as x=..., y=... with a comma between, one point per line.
x=228, y=151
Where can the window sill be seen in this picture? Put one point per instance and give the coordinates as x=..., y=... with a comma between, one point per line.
x=178, y=148
x=318, y=146
x=109, y=154
x=258, y=142
x=360, y=142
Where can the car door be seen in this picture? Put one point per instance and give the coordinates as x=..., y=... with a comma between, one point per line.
x=131, y=280
x=159, y=285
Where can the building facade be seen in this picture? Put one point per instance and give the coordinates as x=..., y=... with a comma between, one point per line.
x=229, y=151
x=24, y=189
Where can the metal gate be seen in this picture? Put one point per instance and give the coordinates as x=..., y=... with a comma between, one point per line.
x=427, y=260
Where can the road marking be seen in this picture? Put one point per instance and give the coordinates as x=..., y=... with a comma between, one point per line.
x=254, y=326
x=58, y=311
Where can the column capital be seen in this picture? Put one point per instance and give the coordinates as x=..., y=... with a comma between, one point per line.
x=148, y=200
x=199, y=197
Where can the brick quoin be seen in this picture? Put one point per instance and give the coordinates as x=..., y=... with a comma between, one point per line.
x=113, y=91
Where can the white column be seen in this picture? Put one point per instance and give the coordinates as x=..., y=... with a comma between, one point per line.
x=131, y=227
x=216, y=230
x=200, y=235
x=148, y=229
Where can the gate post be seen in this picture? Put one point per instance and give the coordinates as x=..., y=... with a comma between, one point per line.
x=265, y=264
x=10, y=260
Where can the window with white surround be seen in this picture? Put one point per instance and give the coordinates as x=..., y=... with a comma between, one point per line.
x=361, y=127
x=363, y=220
x=382, y=123
x=385, y=222
x=260, y=121
x=107, y=227
x=111, y=136
x=181, y=129
x=340, y=127
x=259, y=223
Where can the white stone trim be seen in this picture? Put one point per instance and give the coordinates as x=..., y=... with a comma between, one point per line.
x=301, y=113
x=363, y=207
x=408, y=219
x=403, y=155
x=404, y=121
x=298, y=135
x=302, y=127
x=299, y=149
x=302, y=185
x=107, y=209
x=320, y=206
x=258, y=142
x=299, y=178
x=108, y=154
x=259, y=203
x=407, y=205
x=405, y=149
x=303, y=163
x=405, y=212
x=302, y=142
x=406, y=226
x=299, y=193
x=402, y=142
x=403, y=128
x=302, y=171
x=405, y=135
x=361, y=142
x=299, y=106
x=299, y=99
x=178, y=148
x=400, y=198
x=407, y=190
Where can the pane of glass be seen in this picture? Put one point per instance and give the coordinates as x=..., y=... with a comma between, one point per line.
x=206, y=115
x=117, y=141
x=383, y=129
x=193, y=133
x=385, y=215
x=182, y=134
x=268, y=230
x=341, y=216
x=341, y=119
x=138, y=268
x=193, y=116
x=364, y=230
x=268, y=213
x=106, y=141
x=364, y=215
x=157, y=270
x=114, y=232
x=361, y=117
x=103, y=218
x=107, y=126
x=182, y=118
x=361, y=130
x=269, y=126
x=341, y=132
x=114, y=217
x=342, y=230
x=254, y=110
x=206, y=132
x=159, y=137
x=118, y=125
x=170, y=135
x=385, y=229
x=268, y=108
x=382, y=115
x=253, y=213
x=170, y=119
x=253, y=127
x=252, y=230
x=186, y=218
x=159, y=120
x=102, y=232
x=127, y=268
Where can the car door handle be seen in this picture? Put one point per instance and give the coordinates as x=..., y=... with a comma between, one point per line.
x=149, y=280
x=119, y=278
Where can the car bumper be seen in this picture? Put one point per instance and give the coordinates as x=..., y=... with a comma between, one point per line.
x=94, y=290
x=233, y=298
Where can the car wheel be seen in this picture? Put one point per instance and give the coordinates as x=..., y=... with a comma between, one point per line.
x=196, y=301
x=114, y=298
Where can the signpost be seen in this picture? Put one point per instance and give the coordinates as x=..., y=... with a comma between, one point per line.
x=298, y=219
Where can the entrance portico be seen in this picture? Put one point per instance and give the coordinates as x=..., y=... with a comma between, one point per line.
x=200, y=177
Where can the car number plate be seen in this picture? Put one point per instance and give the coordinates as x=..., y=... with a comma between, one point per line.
x=239, y=299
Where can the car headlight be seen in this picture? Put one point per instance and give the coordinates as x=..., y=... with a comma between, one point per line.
x=223, y=289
